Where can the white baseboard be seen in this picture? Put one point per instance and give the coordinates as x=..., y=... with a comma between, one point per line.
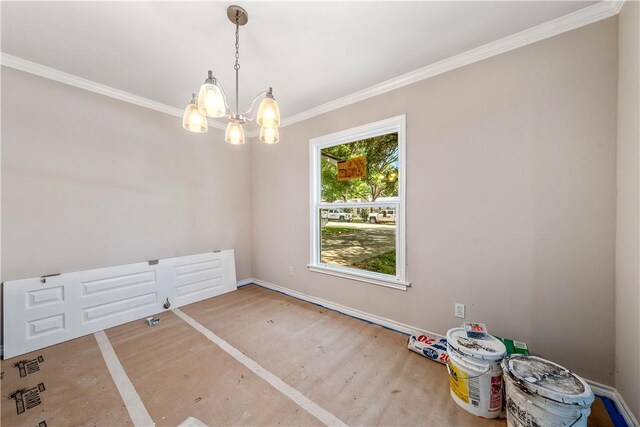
x=362, y=315
x=244, y=282
x=599, y=389
x=613, y=394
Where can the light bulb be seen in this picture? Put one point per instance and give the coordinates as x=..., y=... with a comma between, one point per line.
x=268, y=113
x=269, y=135
x=193, y=120
x=234, y=134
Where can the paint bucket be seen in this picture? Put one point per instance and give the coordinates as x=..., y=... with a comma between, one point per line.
x=475, y=374
x=542, y=393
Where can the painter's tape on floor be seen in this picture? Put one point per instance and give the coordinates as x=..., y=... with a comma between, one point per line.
x=301, y=400
x=192, y=422
x=132, y=401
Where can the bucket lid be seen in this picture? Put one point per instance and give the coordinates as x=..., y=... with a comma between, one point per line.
x=548, y=379
x=488, y=348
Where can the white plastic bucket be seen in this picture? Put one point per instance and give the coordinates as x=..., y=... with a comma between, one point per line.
x=475, y=374
x=542, y=393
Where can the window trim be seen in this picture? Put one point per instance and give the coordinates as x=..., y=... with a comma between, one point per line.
x=394, y=124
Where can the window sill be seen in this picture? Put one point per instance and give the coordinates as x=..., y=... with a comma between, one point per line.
x=374, y=279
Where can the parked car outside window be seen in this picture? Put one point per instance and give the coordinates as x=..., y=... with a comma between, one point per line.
x=339, y=215
x=386, y=215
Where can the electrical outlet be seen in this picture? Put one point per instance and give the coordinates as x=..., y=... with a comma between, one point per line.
x=459, y=310
x=290, y=271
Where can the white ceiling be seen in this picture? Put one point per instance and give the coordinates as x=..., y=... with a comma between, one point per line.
x=309, y=52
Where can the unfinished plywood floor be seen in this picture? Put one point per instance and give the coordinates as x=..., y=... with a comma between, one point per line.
x=358, y=373
x=75, y=388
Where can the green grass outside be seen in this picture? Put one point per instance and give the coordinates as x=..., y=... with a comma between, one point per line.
x=384, y=263
x=336, y=230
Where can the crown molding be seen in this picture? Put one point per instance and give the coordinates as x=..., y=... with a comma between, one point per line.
x=577, y=19
x=619, y=4
x=79, y=82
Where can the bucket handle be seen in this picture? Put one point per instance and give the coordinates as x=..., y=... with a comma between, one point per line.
x=469, y=377
x=577, y=419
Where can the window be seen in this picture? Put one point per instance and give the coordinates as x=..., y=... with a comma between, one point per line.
x=358, y=203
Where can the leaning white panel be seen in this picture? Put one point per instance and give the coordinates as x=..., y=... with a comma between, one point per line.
x=40, y=312
x=198, y=277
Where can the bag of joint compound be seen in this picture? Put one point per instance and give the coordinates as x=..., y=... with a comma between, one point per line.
x=429, y=346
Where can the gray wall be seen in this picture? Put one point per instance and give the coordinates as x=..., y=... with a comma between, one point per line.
x=511, y=199
x=628, y=230
x=90, y=181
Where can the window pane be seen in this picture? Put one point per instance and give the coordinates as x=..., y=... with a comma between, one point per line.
x=365, y=170
x=362, y=238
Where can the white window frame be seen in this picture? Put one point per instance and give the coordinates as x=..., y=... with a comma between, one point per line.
x=383, y=127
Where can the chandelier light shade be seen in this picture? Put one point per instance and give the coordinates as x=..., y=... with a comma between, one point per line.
x=235, y=133
x=193, y=120
x=210, y=98
x=269, y=135
x=212, y=101
x=269, y=112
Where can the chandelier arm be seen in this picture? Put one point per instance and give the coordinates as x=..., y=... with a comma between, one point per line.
x=253, y=103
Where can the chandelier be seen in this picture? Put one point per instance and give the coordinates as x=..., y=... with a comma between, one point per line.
x=212, y=102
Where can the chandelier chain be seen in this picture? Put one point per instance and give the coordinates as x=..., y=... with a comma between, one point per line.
x=237, y=64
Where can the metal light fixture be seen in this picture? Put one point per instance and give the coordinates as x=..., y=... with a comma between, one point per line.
x=212, y=102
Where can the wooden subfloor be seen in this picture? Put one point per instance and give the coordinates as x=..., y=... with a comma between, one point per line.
x=363, y=374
